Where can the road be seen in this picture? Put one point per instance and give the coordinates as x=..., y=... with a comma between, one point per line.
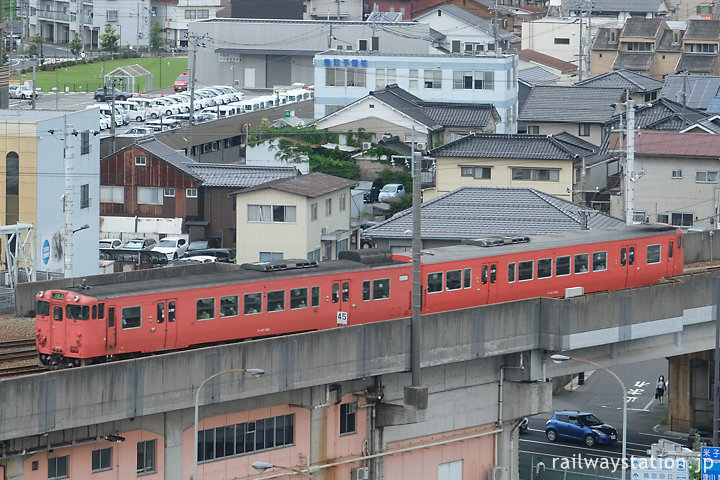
x=601, y=395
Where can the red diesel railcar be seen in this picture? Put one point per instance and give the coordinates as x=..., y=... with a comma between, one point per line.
x=101, y=322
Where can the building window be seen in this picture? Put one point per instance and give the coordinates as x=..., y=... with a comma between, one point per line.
x=149, y=196
x=191, y=193
x=101, y=460
x=649, y=97
x=681, y=219
x=475, y=172
x=639, y=217
x=433, y=79
x=12, y=188
x=314, y=256
x=537, y=174
x=112, y=194
x=347, y=417
x=450, y=471
x=111, y=15
x=271, y=213
x=190, y=14
x=455, y=44
x=662, y=219
x=84, y=143
x=469, y=80
x=413, y=79
x=677, y=173
x=58, y=467
x=140, y=161
x=702, y=48
x=374, y=43
x=384, y=77
x=313, y=211
x=342, y=202
x=706, y=177
x=328, y=207
x=203, y=13
x=244, y=438
x=170, y=192
x=146, y=457
x=533, y=129
x=639, y=46
x=362, y=45
x=85, y=196
x=345, y=77
x=562, y=41
x=584, y=130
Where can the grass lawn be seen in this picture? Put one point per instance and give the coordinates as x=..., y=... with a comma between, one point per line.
x=88, y=77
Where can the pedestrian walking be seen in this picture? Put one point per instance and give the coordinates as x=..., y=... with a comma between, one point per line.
x=660, y=388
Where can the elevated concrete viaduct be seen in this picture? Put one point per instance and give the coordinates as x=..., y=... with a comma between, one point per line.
x=485, y=369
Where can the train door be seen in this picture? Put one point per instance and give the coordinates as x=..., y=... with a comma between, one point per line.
x=488, y=283
x=111, y=332
x=627, y=263
x=166, y=324
x=341, y=300
x=58, y=329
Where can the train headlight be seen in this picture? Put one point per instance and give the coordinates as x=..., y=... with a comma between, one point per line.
x=76, y=298
x=41, y=294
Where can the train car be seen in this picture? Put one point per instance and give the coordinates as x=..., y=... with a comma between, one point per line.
x=101, y=322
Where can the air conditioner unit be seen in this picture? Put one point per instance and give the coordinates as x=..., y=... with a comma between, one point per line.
x=367, y=145
x=362, y=473
x=497, y=473
x=420, y=146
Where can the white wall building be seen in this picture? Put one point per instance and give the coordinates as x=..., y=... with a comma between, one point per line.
x=341, y=79
x=559, y=37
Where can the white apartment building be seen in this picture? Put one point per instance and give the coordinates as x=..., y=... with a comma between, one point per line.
x=343, y=78
x=560, y=37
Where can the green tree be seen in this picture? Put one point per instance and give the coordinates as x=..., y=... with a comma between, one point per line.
x=75, y=45
x=109, y=41
x=37, y=40
x=156, y=40
x=31, y=50
x=694, y=470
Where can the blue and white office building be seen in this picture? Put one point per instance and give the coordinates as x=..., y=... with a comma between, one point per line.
x=342, y=78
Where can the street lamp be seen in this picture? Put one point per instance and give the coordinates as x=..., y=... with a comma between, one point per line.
x=262, y=466
x=255, y=372
x=563, y=358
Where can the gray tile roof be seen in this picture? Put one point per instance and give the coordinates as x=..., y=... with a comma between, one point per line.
x=699, y=89
x=570, y=104
x=602, y=40
x=495, y=145
x=537, y=76
x=636, y=27
x=665, y=44
x=238, y=176
x=616, y=6
x=697, y=63
x=472, y=19
x=638, y=61
x=624, y=79
x=167, y=154
x=311, y=185
x=405, y=102
x=707, y=124
x=474, y=212
x=707, y=30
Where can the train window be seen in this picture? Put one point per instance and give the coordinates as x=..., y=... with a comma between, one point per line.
x=623, y=257
x=435, y=282
x=581, y=263
x=468, y=278
x=599, y=261
x=276, y=301
x=205, y=308
x=631, y=256
x=111, y=317
x=525, y=270
x=544, y=268
x=336, y=292
x=562, y=266
x=229, y=306
x=366, y=290
x=679, y=242
x=42, y=308
x=670, y=250
x=131, y=317
x=484, y=275
x=381, y=289
x=315, y=296
x=171, y=312
x=493, y=273
x=101, y=310
x=160, y=313
x=78, y=312
x=346, y=291
x=511, y=272
x=94, y=312
x=653, y=254
x=298, y=298
x=453, y=280
x=58, y=314
x=253, y=303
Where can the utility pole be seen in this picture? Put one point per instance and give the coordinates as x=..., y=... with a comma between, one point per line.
x=195, y=41
x=589, y=40
x=68, y=204
x=112, y=119
x=338, y=9
x=33, y=89
x=137, y=37
x=630, y=162
x=581, y=54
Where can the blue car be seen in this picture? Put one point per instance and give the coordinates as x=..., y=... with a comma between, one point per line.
x=581, y=426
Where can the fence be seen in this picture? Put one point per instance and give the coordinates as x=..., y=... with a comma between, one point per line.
x=549, y=467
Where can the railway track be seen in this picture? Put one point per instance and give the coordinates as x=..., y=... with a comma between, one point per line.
x=8, y=372
x=17, y=350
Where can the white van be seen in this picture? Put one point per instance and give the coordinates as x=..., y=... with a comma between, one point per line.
x=162, y=124
x=248, y=105
x=147, y=107
x=136, y=112
x=266, y=101
x=105, y=109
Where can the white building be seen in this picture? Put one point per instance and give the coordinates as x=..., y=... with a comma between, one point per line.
x=341, y=79
x=559, y=37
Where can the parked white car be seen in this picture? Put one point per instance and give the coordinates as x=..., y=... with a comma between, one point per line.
x=172, y=247
x=23, y=92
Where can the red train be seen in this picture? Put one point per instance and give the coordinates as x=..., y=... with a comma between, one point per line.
x=101, y=322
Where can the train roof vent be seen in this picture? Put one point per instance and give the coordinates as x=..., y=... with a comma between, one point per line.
x=282, y=264
x=497, y=241
x=368, y=256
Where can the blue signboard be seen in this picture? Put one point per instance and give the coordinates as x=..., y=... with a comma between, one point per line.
x=710, y=461
x=46, y=252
